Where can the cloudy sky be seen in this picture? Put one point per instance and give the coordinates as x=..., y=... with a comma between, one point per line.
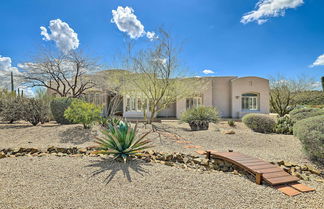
x=217, y=37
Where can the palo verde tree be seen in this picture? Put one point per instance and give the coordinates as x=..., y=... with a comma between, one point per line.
x=64, y=74
x=283, y=92
x=157, y=77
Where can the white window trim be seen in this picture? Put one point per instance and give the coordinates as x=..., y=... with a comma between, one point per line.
x=198, y=99
x=251, y=101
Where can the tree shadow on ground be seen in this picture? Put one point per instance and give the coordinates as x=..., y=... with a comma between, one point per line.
x=14, y=126
x=77, y=135
x=106, y=165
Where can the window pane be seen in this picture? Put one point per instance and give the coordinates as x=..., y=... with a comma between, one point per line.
x=128, y=104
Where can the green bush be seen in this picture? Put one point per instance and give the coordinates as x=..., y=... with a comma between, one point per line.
x=310, y=132
x=284, y=125
x=231, y=123
x=109, y=121
x=122, y=141
x=45, y=99
x=309, y=98
x=83, y=112
x=33, y=111
x=259, y=122
x=13, y=108
x=199, y=117
x=303, y=113
x=58, y=106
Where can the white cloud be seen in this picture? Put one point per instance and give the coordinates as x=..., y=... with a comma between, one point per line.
x=318, y=61
x=64, y=37
x=208, y=71
x=151, y=35
x=5, y=69
x=269, y=8
x=126, y=21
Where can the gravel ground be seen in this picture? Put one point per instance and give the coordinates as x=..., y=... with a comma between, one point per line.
x=271, y=147
x=71, y=182
x=67, y=182
x=42, y=136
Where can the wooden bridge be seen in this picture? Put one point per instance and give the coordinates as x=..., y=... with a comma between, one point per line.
x=263, y=171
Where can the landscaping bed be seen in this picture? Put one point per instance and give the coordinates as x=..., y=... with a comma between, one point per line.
x=59, y=170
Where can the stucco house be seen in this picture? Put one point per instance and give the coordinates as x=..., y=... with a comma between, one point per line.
x=232, y=96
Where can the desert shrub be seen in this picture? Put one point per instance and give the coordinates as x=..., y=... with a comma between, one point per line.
x=109, y=121
x=231, y=123
x=45, y=99
x=309, y=98
x=83, y=112
x=310, y=132
x=284, y=125
x=200, y=117
x=13, y=108
x=58, y=106
x=259, y=122
x=33, y=111
x=302, y=113
x=122, y=141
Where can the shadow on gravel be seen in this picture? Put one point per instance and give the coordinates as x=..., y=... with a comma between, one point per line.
x=14, y=126
x=77, y=135
x=106, y=165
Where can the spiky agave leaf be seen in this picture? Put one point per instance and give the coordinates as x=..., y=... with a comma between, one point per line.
x=122, y=141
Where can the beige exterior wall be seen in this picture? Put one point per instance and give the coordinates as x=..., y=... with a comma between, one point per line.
x=222, y=95
x=244, y=85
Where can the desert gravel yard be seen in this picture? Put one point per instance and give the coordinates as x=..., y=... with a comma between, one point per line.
x=95, y=182
x=68, y=182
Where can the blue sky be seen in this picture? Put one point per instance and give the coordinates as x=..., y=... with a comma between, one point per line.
x=210, y=33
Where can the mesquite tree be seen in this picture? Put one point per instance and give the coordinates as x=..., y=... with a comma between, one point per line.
x=157, y=77
x=283, y=92
x=62, y=74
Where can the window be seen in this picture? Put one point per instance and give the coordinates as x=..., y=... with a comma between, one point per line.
x=134, y=104
x=250, y=102
x=193, y=102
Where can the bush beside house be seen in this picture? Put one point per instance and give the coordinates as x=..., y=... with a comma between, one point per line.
x=310, y=132
x=259, y=122
x=83, y=112
x=303, y=113
x=199, y=118
x=58, y=106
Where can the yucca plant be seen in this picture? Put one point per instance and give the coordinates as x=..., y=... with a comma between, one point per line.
x=122, y=141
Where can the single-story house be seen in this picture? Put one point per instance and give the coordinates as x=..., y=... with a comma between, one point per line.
x=232, y=96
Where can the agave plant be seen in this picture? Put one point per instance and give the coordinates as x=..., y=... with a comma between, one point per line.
x=122, y=141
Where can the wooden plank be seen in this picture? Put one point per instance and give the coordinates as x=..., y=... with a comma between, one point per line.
x=268, y=170
x=258, y=167
x=281, y=180
x=258, y=178
x=301, y=187
x=288, y=190
x=275, y=174
x=255, y=163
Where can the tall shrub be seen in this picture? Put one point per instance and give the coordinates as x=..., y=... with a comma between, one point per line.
x=303, y=113
x=33, y=111
x=83, y=112
x=259, y=122
x=199, y=117
x=310, y=132
x=58, y=106
x=13, y=109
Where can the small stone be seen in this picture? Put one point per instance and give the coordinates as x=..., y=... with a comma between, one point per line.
x=19, y=154
x=41, y=154
x=288, y=164
x=83, y=150
x=235, y=172
x=229, y=132
x=313, y=170
x=2, y=155
x=60, y=154
x=204, y=162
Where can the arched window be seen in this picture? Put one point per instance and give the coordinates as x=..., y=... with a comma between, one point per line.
x=250, y=101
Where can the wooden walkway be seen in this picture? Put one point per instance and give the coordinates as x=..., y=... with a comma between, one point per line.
x=263, y=171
